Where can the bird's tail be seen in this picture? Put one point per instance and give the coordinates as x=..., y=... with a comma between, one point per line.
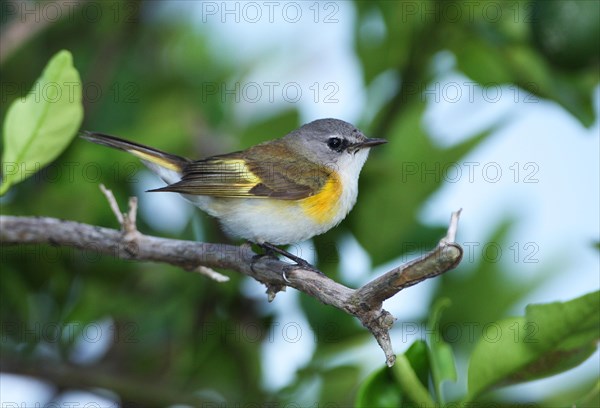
x=167, y=166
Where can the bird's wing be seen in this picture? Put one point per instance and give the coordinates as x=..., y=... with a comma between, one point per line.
x=263, y=171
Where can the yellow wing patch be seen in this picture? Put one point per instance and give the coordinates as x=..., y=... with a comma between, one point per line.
x=218, y=177
x=323, y=206
x=237, y=170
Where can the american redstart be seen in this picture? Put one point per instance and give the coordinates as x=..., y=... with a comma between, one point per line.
x=275, y=193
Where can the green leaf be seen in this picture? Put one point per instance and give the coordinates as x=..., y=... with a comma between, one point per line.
x=41, y=125
x=380, y=389
x=499, y=353
x=572, y=323
x=405, y=384
x=441, y=356
x=552, y=338
x=536, y=76
x=418, y=357
x=335, y=383
x=483, y=62
x=553, y=55
x=410, y=383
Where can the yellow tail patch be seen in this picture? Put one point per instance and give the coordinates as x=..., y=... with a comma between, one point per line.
x=324, y=206
x=155, y=159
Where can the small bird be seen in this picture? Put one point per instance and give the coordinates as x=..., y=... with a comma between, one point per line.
x=278, y=192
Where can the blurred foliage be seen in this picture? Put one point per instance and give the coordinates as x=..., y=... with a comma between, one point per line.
x=144, y=77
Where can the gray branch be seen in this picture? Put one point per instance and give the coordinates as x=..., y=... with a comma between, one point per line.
x=365, y=303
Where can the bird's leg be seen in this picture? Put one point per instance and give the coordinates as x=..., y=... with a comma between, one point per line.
x=268, y=252
x=271, y=249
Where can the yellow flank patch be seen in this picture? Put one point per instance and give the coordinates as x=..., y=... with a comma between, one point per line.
x=324, y=206
x=155, y=159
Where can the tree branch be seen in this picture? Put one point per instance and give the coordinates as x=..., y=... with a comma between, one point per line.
x=365, y=303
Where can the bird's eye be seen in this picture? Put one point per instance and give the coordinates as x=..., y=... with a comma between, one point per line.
x=335, y=143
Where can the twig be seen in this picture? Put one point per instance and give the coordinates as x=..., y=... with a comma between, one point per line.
x=453, y=227
x=211, y=273
x=444, y=257
x=131, y=234
x=112, y=202
x=130, y=218
x=365, y=302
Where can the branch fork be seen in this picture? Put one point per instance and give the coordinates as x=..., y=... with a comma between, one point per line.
x=365, y=303
x=131, y=235
x=127, y=220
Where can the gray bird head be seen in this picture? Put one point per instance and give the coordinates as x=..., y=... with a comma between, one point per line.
x=332, y=142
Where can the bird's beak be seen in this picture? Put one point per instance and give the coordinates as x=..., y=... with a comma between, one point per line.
x=370, y=142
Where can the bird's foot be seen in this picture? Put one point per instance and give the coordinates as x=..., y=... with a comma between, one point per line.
x=271, y=250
